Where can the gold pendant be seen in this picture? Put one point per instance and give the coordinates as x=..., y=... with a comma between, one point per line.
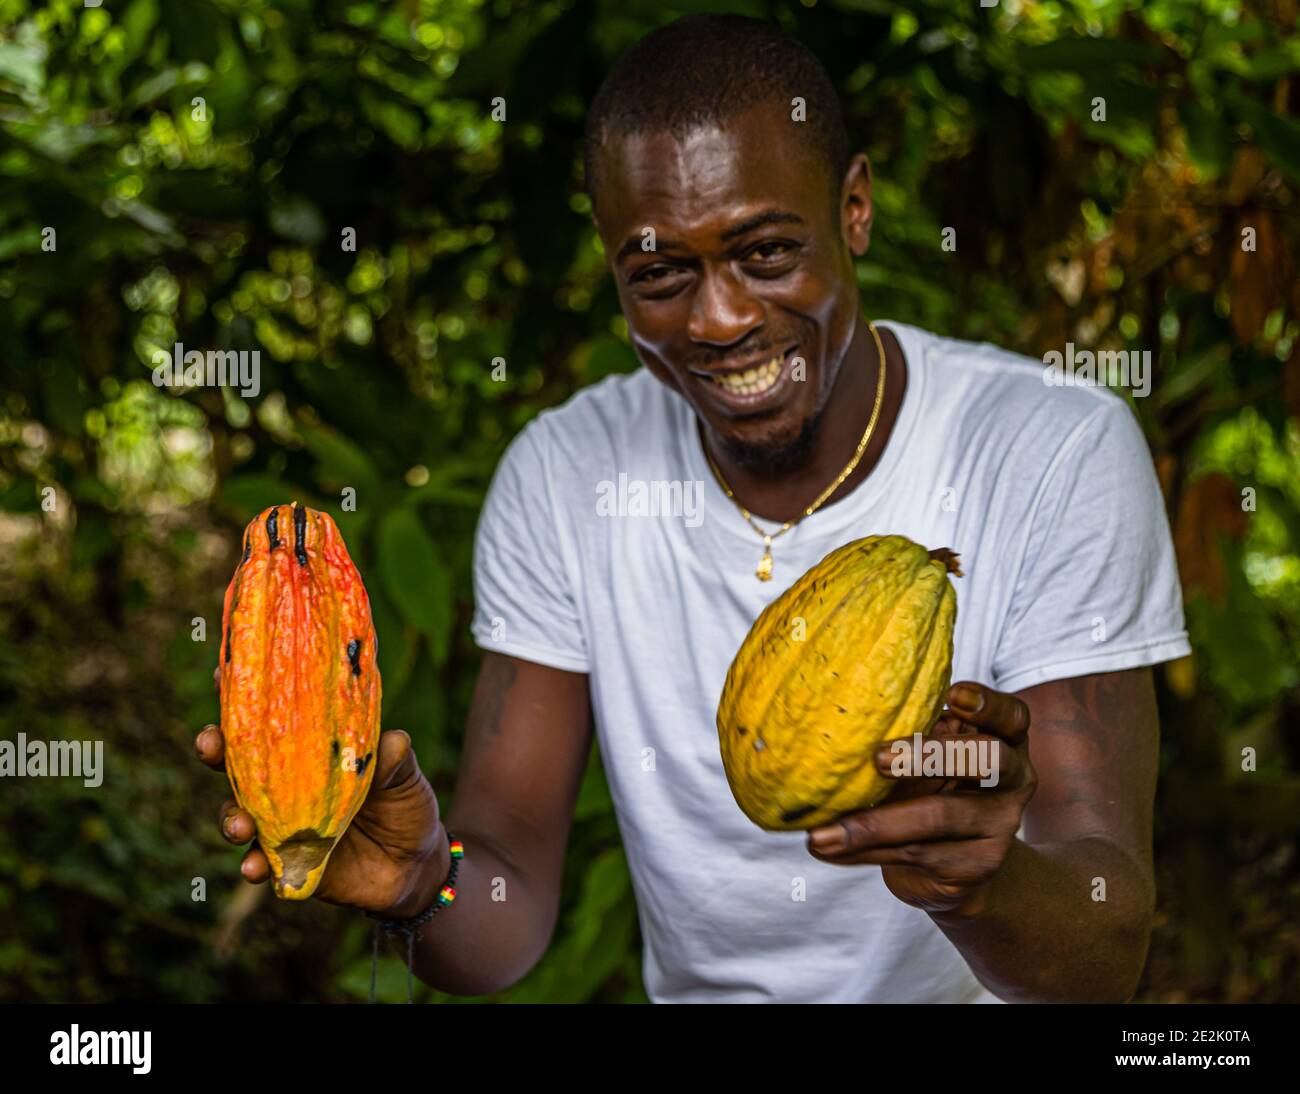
x=764, y=571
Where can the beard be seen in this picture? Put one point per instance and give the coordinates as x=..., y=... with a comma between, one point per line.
x=780, y=458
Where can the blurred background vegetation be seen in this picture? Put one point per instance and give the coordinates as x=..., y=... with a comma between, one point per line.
x=200, y=160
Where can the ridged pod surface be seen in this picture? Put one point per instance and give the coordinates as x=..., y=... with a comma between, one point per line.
x=300, y=691
x=857, y=651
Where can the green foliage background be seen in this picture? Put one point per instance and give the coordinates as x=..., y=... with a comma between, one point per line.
x=199, y=161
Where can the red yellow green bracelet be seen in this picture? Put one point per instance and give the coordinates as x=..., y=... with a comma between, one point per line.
x=410, y=927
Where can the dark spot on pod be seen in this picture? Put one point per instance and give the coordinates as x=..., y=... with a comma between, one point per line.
x=793, y=815
x=361, y=763
x=300, y=534
x=741, y=730
x=248, y=547
x=839, y=708
x=336, y=748
x=273, y=527
x=354, y=656
x=229, y=636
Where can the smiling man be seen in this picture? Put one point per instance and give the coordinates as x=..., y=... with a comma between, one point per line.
x=731, y=227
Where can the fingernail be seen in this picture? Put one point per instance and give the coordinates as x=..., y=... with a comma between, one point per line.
x=828, y=839
x=885, y=756
x=968, y=699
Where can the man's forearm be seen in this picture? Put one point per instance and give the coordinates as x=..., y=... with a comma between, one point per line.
x=492, y=934
x=1040, y=930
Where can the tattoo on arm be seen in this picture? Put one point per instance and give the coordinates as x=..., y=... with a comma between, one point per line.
x=495, y=679
x=1094, y=742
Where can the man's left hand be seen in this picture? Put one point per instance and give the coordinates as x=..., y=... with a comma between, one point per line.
x=940, y=840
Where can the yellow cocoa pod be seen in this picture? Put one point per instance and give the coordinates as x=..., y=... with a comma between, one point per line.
x=856, y=652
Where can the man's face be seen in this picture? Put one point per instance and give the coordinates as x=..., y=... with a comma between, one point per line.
x=751, y=273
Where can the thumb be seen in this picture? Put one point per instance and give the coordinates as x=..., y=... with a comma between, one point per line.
x=396, y=761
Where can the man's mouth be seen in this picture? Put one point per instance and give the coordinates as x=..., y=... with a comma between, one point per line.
x=753, y=381
x=748, y=383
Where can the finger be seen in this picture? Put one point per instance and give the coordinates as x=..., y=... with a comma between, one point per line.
x=935, y=817
x=950, y=724
x=993, y=711
x=914, y=786
x=956, y=860
x=254, y=868
x=210, y=744
x=401, y=811
x=397, y=761
x=966, y=761
x=237, y=825
x=216, y=678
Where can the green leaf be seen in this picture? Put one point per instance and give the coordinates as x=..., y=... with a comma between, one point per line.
x=248, y=495
x=403, y=125
x=1271, y=64
x=20, y=496
x=455, y=481
x=1246, y=650
x=1126, y=100
x=94, y=537
x=600, y=930
x=1209, y=140
x=422, y=713
x=606, y=355
x=390, y=979
x=415, y=578
x=195, y=27
x=298, y=219
x=1079, y=54
x=138, y=22
x=25, y=240
x=593, y=796
x=396, y=650
x=167, y=80
x=65, y=400
x=24, y=62
x=342, y=462
x=1277, y=136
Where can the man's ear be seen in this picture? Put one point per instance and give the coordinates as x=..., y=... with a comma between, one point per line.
x=858, y=209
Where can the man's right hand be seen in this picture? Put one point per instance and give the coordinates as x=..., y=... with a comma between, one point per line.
x=393, y=857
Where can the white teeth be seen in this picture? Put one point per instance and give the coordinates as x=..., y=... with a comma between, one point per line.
x=754, y=381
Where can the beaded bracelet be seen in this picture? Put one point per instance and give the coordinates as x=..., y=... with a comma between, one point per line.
x=410, y=926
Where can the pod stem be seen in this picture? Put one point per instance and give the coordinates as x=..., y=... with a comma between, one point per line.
x=949, y=558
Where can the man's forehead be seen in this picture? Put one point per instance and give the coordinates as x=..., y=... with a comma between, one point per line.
x=711, y=148
x=725, y=181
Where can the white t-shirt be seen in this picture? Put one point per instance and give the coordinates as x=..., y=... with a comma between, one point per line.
x=1047, y=493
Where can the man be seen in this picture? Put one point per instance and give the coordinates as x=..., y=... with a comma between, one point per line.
x=730, y=229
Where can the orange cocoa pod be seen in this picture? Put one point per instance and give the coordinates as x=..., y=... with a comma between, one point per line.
x=300, y=691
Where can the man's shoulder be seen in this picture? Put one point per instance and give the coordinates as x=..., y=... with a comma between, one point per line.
x=984, y=384
x=597, y=423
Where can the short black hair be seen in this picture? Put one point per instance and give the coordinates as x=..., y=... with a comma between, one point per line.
x=705, y=69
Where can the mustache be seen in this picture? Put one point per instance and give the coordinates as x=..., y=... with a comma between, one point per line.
x=749, y=353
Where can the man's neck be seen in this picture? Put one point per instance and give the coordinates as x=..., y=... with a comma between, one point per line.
x=782, y=497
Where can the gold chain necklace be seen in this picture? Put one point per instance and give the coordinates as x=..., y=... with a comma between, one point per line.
x=764, y=571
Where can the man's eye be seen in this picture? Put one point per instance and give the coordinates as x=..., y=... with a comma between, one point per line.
x=650, y=272
x=762, y=247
